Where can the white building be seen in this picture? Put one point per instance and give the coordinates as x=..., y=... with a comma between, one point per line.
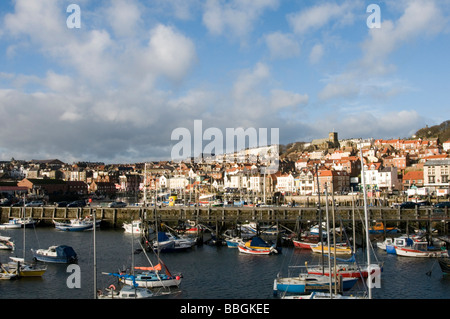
x=178, y=182
x=383, y=179
x=285, y=183
x=436, y=174
x=305, y=184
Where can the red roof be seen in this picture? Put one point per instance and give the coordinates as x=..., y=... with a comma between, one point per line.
x=413, y=175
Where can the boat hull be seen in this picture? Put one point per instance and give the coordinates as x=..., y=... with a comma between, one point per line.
x=57, y=260
x=254, y=251
x=56, y=254
x=302, y=284
x=337, y=251
x=408, y=252
x=234, y=242
x=152, y=281
x=303, y=244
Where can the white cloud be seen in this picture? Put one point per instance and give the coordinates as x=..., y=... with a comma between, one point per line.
x=235, y=18
x=282, y=45
x=372, y=123
x=124, y=17
x=169, y=52
x=320, y=15
x=282, y=99
x=419, y=19
x=316, y=54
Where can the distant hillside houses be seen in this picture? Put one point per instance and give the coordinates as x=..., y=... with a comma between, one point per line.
x=390, y=165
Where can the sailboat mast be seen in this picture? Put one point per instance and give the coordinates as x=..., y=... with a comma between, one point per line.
x=328, y=243
x=95, y=255
x=24, y=225
x=366, y=218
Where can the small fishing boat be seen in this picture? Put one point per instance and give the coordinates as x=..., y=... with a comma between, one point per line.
x=11, y=224
x=306, y=282
x=126, y=291
x=27, y=222
x=346, y=270
x=168, y=242
x=248, y=229
x=135, y=227
x=190, y=227
x=421, y=249
x=56, y=254
x=22, y=268
x=379, y=228
x=338, y=249
x=5, y=274
x=389, y=244
x=6, y=243
x=151, y=277
x=321, y=295
x=79, y=224
x=257, y=246
x=233, y=242
x=306, y=241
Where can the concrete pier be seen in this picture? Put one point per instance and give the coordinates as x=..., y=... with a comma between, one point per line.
x=287, y=216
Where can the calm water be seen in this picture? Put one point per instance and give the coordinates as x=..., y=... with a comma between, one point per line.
x=209, y=272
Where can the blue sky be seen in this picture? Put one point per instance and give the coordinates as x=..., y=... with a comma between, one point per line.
x=115, y=89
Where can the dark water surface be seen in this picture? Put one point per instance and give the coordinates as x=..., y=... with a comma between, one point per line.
x=209, y=272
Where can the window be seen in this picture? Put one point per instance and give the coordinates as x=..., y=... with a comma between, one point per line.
x=431, y=179
x=444, y=178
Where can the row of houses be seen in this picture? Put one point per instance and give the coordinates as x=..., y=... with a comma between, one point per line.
x=389, y=165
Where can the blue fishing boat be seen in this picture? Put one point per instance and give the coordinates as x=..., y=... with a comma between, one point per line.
x=152, y=277
x=56, y=254
x=308, y=282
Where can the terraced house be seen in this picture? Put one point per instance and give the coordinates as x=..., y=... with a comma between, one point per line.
x=436, y=176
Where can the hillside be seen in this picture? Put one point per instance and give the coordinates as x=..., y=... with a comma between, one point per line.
x=441, y=131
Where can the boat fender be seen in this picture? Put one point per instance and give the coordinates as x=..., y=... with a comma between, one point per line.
x=112, y=287
x=178, y=277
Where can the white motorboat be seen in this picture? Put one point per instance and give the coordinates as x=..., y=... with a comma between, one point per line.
x=6, y=243
x=11, y=224
x=126, y=292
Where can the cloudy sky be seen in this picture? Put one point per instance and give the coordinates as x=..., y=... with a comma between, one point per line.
x=116, y=88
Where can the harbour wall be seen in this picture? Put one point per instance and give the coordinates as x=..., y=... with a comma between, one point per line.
x=287, y=216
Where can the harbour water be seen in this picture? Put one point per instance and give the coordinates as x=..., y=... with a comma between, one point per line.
x=209, y=272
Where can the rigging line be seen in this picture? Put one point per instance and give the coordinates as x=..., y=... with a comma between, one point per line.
x=370, y=246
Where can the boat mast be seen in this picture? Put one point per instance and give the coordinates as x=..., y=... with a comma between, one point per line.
x=329, y=248
x=24, y=225
x=95, y=256
x=366, y=217
x=320, y=220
